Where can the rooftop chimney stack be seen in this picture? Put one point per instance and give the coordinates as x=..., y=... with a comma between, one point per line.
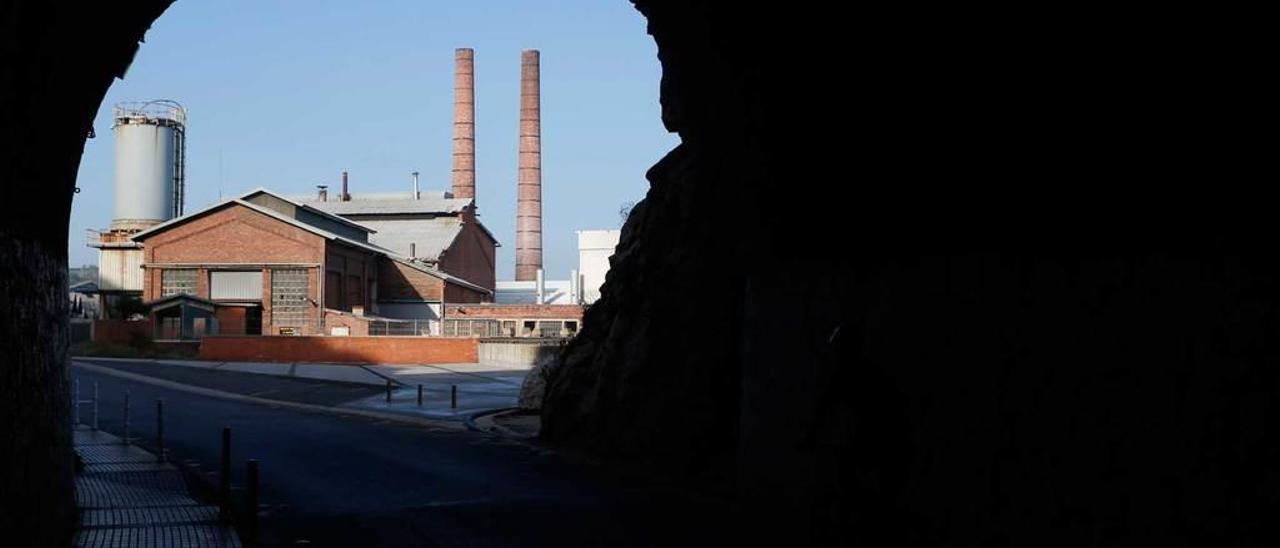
x=464, y=124
x=345, y=196
x=529, y=178
x=416, y=195
x=324, y=192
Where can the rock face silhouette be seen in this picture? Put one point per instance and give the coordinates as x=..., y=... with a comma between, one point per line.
x=926, y=282
x=56, y=61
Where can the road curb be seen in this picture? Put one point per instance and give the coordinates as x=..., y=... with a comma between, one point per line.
x=483, y=422
x=407, y=419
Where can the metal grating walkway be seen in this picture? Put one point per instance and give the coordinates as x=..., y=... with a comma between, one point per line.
x=127, y=499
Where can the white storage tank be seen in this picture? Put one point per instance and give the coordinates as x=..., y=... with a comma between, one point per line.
x=150, y=163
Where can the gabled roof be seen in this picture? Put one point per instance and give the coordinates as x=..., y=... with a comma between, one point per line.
x=309, y=228
x=177, y=299
x=303, y=205
x=263, y=210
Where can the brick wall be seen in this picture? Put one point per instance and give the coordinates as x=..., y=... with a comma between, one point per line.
x=359, y=327
x=399, y=281
x=472, y=255
x=389, y=350
x=120, y=331
x=513, y=311
x=459, y=294
x=236, y=234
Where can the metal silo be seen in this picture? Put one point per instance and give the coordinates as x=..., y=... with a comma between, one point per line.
x=150, y=163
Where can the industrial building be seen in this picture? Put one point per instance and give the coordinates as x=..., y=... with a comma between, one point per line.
x=272, y=265
x=433, y=228
x=343, y=263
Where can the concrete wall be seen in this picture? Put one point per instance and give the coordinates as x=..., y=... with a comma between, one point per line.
x=517, y=352
x=594, y=249
x=387, y=350
x=120, y=269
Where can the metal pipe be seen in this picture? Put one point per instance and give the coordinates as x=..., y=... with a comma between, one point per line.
x=224, y=477
x=253, y=492
x=126, y=417
x=541, y=287
x=416, y=195
x=160, y=430
x=529, y=173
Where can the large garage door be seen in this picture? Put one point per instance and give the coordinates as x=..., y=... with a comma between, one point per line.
x=236, y=285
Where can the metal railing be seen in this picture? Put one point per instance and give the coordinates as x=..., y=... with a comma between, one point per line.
x=404, y=328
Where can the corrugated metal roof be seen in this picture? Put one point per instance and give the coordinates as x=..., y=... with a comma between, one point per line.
x=309, y=207
x=397, y=205
x=430, y=236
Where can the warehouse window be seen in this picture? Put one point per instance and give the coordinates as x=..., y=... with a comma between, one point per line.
x=549, y=329
x=238, y=285
x=177, y=281
x=289, y=294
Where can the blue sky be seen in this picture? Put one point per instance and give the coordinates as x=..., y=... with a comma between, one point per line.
x=287, y=94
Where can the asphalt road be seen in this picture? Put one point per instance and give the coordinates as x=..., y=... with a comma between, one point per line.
x=350, y=481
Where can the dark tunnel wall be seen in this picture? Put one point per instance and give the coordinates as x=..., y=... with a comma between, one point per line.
x=928, y=278
x=57, y=60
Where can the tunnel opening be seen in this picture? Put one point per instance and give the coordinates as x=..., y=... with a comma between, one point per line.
x=869, y=344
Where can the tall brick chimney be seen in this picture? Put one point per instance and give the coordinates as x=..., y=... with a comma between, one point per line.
x=464, y=124
x=529, y=177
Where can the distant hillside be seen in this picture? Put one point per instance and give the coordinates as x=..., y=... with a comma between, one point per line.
x=86, y=273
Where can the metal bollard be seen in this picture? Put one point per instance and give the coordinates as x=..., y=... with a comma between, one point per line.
x=224, y=477
x=388, y=391
x=126, y=417
x=419, y=395
x=160, y=430
x=252, y=492
x=95, y=405
x=75, y=402
x=453, y=397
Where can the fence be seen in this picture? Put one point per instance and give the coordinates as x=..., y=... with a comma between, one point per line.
x=248, y=321
x=404, y=328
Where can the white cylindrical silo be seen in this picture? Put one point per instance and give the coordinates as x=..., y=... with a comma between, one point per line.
x=149, y=163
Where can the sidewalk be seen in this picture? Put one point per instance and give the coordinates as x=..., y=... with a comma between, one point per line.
x=127, y=498
x=480, y=387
